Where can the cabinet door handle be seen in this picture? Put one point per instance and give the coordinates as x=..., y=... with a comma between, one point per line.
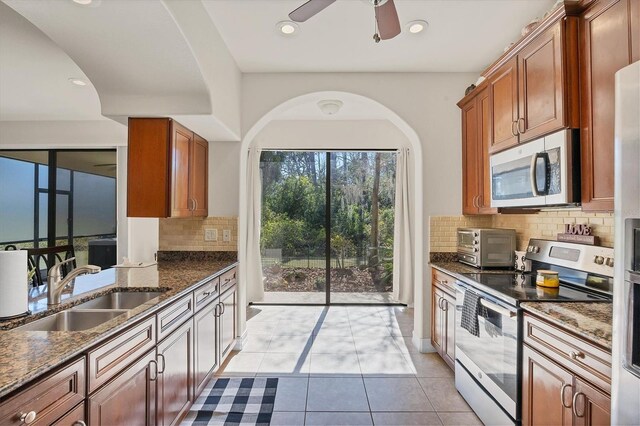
x=576, y=356
x=445, y=305
x=223, y=307
x=575, y=404
x=514, y=132
x=28, y=418
x=564, y=388
x=195, y=204
x=155, y=376
x=521, y=120
x=164, y=363
x=79, y=423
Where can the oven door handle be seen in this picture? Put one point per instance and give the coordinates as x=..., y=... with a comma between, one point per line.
x=534, y=174
x=497, y=308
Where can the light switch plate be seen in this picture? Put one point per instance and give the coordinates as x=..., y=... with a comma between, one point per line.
x=211, y=234
x=226, y=235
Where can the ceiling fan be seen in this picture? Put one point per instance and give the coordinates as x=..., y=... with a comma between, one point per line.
x=387, y=22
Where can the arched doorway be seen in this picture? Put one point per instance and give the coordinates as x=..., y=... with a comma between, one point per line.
x=280, y=112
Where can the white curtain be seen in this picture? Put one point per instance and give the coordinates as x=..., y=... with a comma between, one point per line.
x=402, y=234
x=255, y=286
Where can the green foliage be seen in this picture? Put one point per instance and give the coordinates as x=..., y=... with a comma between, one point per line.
x=293, y=210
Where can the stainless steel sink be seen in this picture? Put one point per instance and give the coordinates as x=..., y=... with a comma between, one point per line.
x=119, y=300
x=71, y=320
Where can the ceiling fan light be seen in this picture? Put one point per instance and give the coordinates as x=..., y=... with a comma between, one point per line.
x=416, y=27
x=287, y=28
x=330, y=106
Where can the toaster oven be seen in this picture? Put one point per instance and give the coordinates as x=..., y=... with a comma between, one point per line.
x=487, y=247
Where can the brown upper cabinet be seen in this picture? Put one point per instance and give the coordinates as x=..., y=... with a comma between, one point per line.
x=609, y=40
x=167, y=170
x=476, y=137
x=535, y=91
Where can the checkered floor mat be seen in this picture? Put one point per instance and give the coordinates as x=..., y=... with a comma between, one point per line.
x=233, y=402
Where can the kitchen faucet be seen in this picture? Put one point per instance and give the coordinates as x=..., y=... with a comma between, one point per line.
x=56, y=284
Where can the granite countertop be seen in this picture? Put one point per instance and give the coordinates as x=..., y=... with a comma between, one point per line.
x=589, y=320
x=25, y=355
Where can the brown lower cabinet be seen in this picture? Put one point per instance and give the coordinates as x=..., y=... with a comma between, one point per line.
x=554, y=388
x=443, y=309
x=49, y=399
x=175, y=375
x=129, y=398
x=205, y=331
x=139, y=376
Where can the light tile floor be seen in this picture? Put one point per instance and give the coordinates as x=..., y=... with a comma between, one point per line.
x=347, y=366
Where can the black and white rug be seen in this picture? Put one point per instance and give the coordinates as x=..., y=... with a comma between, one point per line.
x=231, y=401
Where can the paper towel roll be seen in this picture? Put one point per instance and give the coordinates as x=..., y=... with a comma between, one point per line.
x=14, y=288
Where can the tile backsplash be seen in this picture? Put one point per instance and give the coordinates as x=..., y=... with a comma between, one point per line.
x=545, y=225
x=188, y=234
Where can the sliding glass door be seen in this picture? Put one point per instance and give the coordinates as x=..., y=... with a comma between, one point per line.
x=327, y=226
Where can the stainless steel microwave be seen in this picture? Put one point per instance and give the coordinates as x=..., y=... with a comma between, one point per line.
x=543, y=172
x=487, y=247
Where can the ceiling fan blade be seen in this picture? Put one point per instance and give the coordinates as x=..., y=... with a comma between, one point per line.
x=388, y=22
x=309, y=9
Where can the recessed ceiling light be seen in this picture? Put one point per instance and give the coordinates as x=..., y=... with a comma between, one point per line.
x=78, y=81
x=83, y=2
x=287, y=28
x=416, y=27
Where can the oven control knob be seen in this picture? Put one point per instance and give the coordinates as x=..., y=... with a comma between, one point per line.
x=530, y=249
x=476, y=242
x=475, y=249
x=598, y=260
x=609, y=262
x=536, y=249
x=479, y=375
x=475, y=234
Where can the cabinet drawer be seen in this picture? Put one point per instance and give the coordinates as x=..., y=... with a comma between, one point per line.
x=228, y=279
x=444, y=281
x=113, y=356
x=574, y=353
x=206, y=293
x=174, y=315
x=72, y=418
x=49, y=399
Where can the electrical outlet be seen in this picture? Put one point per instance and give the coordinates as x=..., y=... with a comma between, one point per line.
x=211, y=234
x=226, y=235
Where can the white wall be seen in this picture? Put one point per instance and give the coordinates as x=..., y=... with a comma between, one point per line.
x=62, y=134
x=224, y=184
x=425, y=101
x=342, y=134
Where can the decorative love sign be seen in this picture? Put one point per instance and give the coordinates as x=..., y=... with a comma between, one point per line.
x=576, y=233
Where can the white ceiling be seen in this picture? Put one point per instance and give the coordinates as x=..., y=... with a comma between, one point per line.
x=463, y=35
x=34, y=76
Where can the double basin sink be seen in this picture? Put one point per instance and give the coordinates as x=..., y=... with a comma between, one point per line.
x=92, y=313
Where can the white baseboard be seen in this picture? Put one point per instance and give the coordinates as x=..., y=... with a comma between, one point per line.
x=422, y=345
x=240, y=341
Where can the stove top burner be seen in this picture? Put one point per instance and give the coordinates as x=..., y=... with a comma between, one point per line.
x=518, y=288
